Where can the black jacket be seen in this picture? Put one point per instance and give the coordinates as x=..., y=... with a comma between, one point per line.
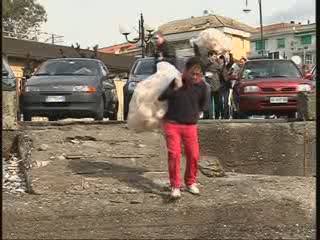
x=166, y=51
x=185, y=103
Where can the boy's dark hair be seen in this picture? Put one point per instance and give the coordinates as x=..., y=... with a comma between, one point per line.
x=192, y=62
x=211, y=52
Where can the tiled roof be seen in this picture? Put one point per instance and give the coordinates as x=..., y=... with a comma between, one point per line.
x=118, y=47
x=277, y=26
x=41, y=51
x=201, y=23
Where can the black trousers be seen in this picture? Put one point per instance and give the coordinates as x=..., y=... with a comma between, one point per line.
x=221, y=107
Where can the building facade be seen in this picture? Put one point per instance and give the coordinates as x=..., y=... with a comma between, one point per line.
x=285, y=40
x=180, y=32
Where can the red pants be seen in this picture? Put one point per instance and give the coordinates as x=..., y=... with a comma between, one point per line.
x=173, y=133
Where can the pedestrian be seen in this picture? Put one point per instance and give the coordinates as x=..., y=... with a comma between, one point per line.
x=185, y=105
x=225, y=85
x=236, y=67
x=164, y=51
x=213, y=70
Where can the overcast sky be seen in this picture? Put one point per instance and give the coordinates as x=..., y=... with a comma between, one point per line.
x=91, y=22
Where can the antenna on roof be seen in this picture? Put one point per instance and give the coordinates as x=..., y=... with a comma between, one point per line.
x=208, y=12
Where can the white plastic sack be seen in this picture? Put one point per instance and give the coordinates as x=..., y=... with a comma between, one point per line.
x=145, y=110
x=214, y=39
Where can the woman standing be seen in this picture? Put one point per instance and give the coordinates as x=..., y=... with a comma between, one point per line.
x=180, y=122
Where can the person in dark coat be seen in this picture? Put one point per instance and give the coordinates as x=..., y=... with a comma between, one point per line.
x=225, y=85
x=164, y=51
x=213, y=67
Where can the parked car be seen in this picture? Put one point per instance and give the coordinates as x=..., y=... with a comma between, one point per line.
x=140, y=70
x=268, y=87
x=8, y=78
x=70, y=87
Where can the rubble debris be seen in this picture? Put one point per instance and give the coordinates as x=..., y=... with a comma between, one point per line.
x=43, y=147
x=61, y=157
x=42, y=163
x=78, y=139
x=135, y=202
x=211, y=167
x=12, y=180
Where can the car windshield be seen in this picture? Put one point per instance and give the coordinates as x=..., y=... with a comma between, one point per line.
x=269, y=69
x=145, y=67
x=69, y=67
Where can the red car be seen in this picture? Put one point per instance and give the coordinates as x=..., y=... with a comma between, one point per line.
x=268, y=87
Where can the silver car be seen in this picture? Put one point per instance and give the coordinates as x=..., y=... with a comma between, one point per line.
x=70, y=87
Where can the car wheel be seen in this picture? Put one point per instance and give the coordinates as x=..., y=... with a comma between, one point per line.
x=99, y=114
x=125, y=108
x=114, y=114
x=27, y=116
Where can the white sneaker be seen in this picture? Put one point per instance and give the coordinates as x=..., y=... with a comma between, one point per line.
x=193, y=189
x=175, y=193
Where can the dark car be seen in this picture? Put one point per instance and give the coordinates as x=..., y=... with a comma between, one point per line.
x=268, y=87
x=70, y=87
x=141, y=69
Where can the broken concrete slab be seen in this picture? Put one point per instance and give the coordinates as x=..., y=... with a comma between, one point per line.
x=272, y=148
x=211, y=167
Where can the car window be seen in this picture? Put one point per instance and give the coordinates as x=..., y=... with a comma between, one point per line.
x=69, y=67
x=269, y=69
x=145, y=67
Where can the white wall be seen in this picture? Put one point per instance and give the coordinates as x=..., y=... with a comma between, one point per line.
x=271, y=45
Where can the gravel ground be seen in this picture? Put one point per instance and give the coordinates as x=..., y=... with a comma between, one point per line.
x=106, y=182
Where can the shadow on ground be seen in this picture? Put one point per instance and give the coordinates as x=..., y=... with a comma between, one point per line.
x=132, y=176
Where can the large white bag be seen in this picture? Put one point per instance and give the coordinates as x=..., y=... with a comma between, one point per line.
x=214, y=39
x=145, y=110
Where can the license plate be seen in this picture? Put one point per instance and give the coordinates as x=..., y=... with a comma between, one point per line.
x=278, y=99
x=55, y=99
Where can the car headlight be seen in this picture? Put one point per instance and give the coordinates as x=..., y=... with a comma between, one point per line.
x=32, y=89
x=84, y=88
x=251, y=89
x=304, y=88
x=132, y=86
